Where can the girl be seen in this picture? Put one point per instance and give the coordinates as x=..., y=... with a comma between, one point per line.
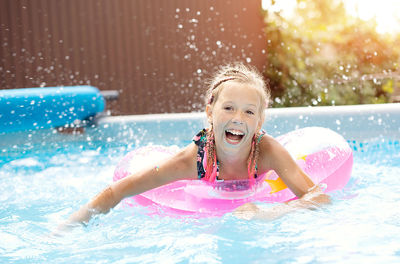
x=233, y=148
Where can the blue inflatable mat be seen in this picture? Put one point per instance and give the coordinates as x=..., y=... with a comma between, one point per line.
x=37, y=108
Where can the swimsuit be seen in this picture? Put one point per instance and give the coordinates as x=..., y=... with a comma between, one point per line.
x=201, y=140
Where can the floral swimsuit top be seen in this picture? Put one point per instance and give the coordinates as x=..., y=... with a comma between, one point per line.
x=200, y=140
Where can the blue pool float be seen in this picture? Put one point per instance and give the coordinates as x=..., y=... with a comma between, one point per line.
x=47, y=107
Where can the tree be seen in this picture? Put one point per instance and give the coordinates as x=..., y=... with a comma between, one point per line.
x=321, y=55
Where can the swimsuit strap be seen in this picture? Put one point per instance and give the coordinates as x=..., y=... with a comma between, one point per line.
x=200, y=139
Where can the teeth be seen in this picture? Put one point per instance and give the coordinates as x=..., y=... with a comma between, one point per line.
x=235, y=132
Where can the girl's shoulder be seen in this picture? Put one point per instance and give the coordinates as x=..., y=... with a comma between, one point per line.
x=267, y=142
x=188, y=154
x=270, y=150
x=184, y=162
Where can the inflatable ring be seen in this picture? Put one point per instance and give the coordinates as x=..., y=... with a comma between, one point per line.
x=322, y=153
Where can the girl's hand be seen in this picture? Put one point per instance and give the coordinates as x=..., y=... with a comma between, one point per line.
x=250, y=211
x=246, y=211
x=313, y=199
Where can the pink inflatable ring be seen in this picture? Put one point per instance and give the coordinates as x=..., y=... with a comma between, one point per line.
x=322, y=153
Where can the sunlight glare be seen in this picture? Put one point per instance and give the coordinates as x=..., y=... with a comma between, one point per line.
x=385, y=12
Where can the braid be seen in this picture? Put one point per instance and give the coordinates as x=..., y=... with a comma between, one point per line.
x=253, y=157
x=211, y=154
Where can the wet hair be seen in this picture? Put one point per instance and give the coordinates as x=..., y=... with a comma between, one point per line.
x=240, y=73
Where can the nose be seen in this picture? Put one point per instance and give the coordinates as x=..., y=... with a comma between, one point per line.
x=237, y=118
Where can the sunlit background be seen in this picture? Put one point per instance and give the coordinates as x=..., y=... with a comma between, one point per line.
x=332, y=52
x=386, y=13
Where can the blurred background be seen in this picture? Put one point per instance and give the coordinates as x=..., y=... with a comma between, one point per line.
x=157, y=54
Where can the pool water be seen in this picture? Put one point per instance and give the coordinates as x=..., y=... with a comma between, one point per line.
x=43, y=184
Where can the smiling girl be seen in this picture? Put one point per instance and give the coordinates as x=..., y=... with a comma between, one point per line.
x=233, y=148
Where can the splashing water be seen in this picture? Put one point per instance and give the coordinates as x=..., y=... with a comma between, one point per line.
x=40, y=189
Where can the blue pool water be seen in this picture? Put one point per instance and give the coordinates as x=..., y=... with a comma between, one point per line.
x=45, y=176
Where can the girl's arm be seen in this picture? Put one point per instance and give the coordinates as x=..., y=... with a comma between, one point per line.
x=180, y=166
x=273, y=156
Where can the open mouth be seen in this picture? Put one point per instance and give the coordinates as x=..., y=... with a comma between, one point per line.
x=233, y=136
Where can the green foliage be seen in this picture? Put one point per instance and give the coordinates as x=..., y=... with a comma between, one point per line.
x=322, y=56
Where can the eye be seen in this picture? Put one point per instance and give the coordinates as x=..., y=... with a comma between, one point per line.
x=228, y=108
x=250, y=112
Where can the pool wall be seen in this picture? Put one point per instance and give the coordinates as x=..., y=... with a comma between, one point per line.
x=358, y=122
x=353, y=122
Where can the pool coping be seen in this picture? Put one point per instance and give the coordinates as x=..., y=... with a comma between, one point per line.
x=355, y=122
x=352, y=121
x=288, y=111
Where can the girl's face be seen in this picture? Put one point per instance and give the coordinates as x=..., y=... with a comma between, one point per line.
x=235, y=117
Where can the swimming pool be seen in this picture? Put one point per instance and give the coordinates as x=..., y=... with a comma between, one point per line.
x=46, y=175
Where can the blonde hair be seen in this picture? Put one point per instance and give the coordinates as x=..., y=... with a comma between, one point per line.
x=237, y=72
x=240, y=73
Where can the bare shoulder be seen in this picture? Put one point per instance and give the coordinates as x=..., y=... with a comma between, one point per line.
x=186, y=160
x=269, y=143
x=187, y=154
x=270, y=150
